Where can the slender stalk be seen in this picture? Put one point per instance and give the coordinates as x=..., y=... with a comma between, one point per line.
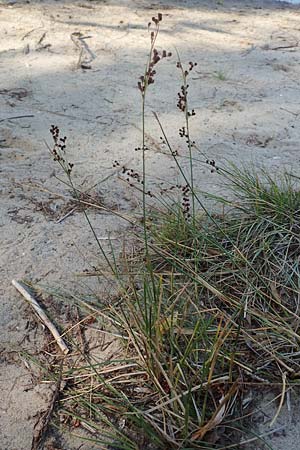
x=144, y=175
x=147, y=79
x=187, y=124
x=91, y=226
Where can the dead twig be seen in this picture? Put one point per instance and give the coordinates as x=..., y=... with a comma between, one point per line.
x=39, y=311
x=17, y=117
x=84, y=119
x=17, y=93
x=39, y=437
x=291, y=112
x=81, y=332
x=42, y=38
x=282, y=47
x=65, y=216
x=31, y=31
x=78, y=40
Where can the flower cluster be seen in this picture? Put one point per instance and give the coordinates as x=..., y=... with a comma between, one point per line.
x=182, y=98
x=132, y=176
x=156, y=20
x=141, y=148
x=190, y=68
x=212, y=163
x=183, y=134
x=182, y=95
x=185, y=193
x=148, y=78
x=186, y=204
x=59, y=149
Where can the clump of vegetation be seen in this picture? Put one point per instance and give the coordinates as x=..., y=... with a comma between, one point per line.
x=206, y=308
x=220, y=75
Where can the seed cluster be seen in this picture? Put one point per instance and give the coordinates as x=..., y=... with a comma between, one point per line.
x=183, y=134
x=59, y=149
x=185, y=192
x=156, y=20
x=148, y=78
x=132, y=176
x=182, y=95
x=190, y=68
x=141, y=148
x=186, y=204
x=182, y=98
x=212, y=164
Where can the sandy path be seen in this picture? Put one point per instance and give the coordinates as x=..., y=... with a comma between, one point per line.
x=246, y=94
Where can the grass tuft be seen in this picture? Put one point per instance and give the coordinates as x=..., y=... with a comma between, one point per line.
x=216, y=316
x=205, y=308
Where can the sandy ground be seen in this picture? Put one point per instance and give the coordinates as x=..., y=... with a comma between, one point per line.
x=245, y=91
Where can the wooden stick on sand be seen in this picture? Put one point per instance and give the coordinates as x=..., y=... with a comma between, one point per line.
x=40, y=312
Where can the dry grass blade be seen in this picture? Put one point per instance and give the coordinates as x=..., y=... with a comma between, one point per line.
x=281, y=399
x=218, y=415
x=193, y=389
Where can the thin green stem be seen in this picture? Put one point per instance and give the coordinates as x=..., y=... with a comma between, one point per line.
x=90, y=225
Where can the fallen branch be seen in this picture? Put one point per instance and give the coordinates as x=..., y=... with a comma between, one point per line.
x=32, y=301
